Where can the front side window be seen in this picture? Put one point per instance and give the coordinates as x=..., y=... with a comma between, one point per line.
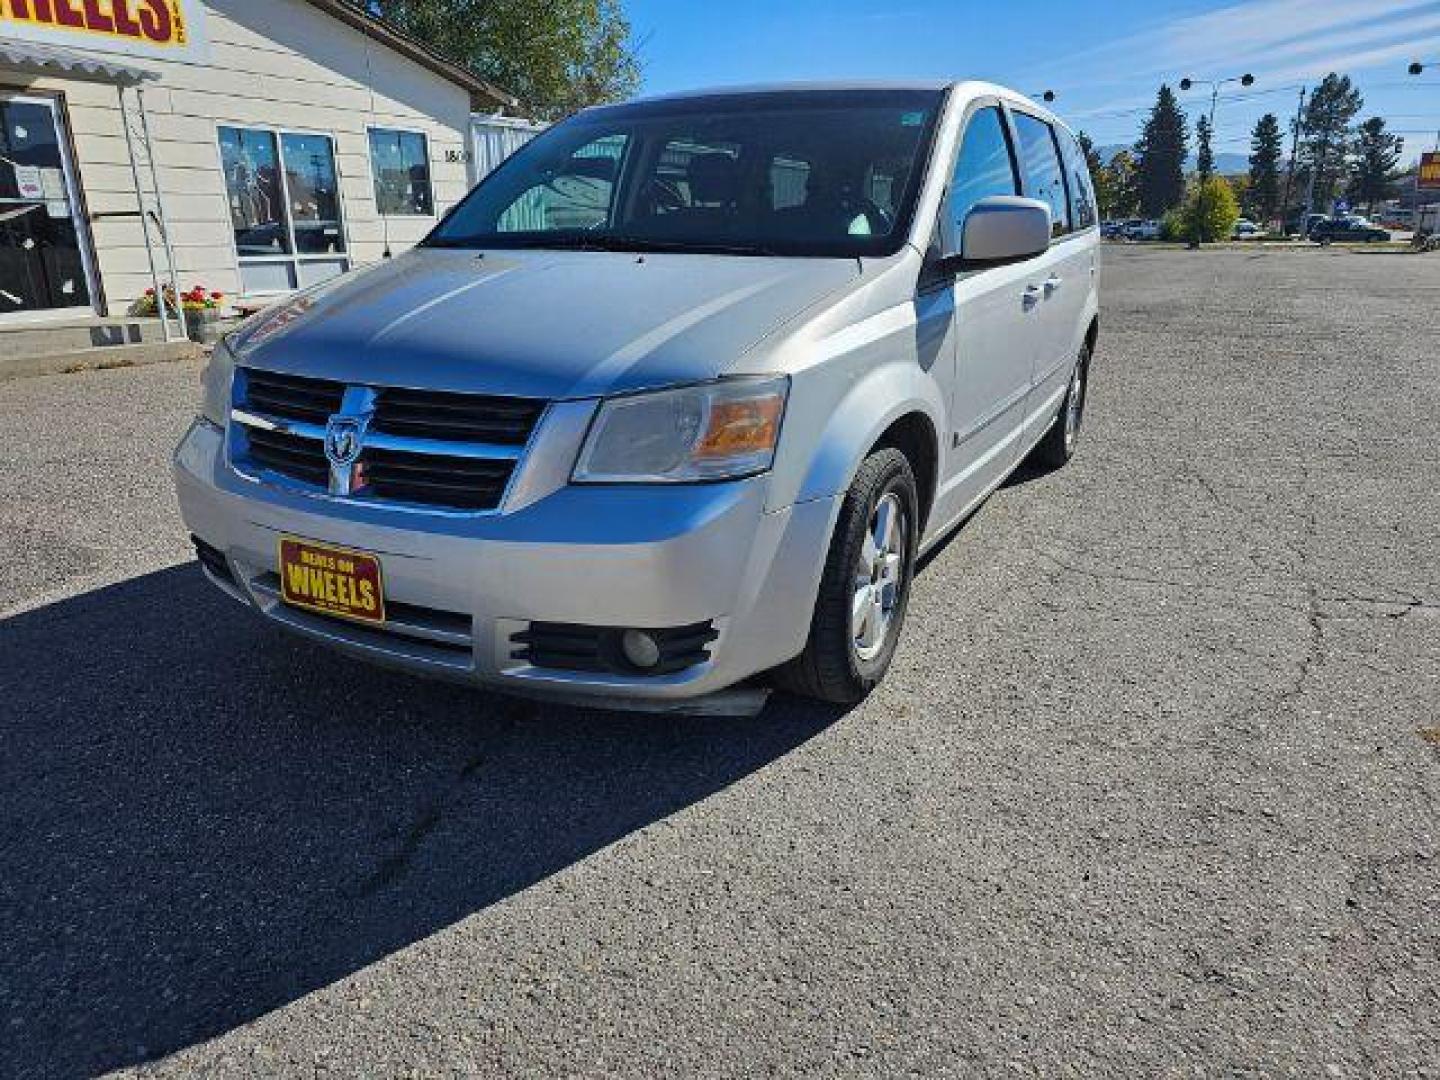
x=283, y=190
x=1040, y=169
x=824, y=173
x=983, y=167
x=400, y=162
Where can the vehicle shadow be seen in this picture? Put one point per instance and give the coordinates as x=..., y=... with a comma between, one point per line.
x=204, y=820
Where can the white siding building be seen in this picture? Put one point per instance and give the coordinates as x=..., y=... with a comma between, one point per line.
x=307, y=139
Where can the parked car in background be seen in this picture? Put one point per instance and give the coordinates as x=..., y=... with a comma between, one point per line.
x=1354, y=229
x=1140, y=229
x=1112, y=230
x=1246, y=229
x=674, y=398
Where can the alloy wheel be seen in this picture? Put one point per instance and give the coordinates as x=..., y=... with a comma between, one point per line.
x=879, y=577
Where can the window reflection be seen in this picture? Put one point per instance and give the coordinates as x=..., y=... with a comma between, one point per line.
x=314, y=193
x=1040, y=164
x=400, y=161
x=982, y=168
x=252, y=183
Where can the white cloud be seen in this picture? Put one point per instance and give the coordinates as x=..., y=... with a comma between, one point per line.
x=1277, y=41
x=1222, y=38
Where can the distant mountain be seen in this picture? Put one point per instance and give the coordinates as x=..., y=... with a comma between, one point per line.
x=1224, y=163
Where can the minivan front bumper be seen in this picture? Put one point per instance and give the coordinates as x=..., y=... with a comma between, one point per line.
x=459, y=588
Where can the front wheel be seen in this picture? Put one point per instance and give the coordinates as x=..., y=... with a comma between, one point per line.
x=865, y=587
x=1058, y=445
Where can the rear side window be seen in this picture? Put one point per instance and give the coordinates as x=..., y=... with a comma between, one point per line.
x=1041, y=170
x=983, y=167
x=1077, y=171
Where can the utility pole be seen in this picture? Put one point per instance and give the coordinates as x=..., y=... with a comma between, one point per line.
x=1294, y=151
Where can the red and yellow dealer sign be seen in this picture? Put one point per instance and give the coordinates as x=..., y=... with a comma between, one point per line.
x=169, y=29
x=1430, y=169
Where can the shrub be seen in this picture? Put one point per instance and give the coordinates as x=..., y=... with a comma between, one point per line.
x=1212, y=205
x=1172, y=226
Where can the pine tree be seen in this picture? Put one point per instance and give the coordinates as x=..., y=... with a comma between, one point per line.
x=1161, y=152
x=1266, y=148
x=1377, y=152
x=1205, y=157
x=1326, y=135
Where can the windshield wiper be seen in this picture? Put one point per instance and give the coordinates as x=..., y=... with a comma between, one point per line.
x=625, y=242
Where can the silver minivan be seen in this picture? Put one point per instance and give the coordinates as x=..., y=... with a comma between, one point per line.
x=664, y=411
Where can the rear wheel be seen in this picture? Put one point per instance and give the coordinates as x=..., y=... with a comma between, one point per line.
x=1058, y=445
x=865, y=588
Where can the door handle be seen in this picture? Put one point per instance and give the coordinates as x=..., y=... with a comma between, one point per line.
x=1052, y=283
x=1031, y=296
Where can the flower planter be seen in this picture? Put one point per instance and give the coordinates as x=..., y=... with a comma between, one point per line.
x=202, y=324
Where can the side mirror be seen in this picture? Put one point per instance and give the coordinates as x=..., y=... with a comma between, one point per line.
x=1002, y=229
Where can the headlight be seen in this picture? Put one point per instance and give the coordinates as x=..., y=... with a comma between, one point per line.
x=215, y=382
x=715, y=431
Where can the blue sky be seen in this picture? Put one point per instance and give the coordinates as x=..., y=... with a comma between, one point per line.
x=1104, y=61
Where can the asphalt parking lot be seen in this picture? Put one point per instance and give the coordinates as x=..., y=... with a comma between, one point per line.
x=1153, y=789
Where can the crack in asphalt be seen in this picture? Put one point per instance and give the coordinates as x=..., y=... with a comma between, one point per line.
x=395, y=865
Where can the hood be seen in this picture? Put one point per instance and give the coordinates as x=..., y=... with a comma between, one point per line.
x=539, y=323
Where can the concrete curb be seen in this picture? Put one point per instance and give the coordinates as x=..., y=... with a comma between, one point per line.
x=93, y=359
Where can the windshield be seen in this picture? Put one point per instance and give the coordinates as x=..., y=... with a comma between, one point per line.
x=828, y=173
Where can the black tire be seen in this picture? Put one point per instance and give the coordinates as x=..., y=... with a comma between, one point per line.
x=1058, y=445
x=832, y=667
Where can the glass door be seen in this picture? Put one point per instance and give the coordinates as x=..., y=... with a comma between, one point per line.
x=44, y=267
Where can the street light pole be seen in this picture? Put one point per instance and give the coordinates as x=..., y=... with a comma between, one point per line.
x=1201, y=198
x=1415, y=68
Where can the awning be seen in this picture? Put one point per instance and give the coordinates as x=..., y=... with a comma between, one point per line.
x=36, y=59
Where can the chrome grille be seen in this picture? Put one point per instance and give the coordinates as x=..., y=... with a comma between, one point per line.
x=292, y=397
x=472, y=483
x=422, y=448
x=428, y=414
x=290, y=455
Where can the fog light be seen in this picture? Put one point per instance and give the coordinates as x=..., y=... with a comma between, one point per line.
x=640, y=648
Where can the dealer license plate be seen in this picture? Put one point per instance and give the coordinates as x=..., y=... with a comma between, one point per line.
x=331, y=580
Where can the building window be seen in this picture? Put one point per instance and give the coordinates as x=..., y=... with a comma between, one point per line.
x=284, y=196
x=400, y=161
